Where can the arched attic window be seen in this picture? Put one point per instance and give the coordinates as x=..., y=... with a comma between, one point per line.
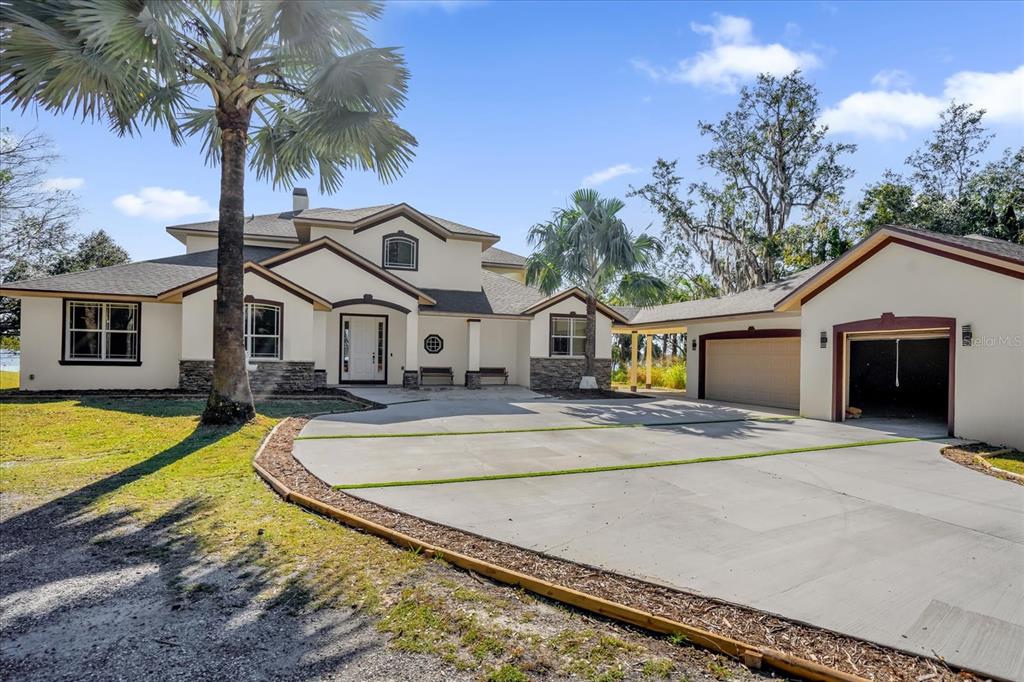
x=401, y=251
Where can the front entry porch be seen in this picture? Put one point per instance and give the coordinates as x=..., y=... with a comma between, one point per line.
x=371, y=342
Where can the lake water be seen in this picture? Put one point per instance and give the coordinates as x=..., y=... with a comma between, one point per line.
x=10, y=360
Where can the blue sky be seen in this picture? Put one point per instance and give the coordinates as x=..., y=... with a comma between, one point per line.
x=516, y=104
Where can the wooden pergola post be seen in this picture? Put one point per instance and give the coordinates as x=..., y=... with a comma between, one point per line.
x=649, y=357
x=634, y=347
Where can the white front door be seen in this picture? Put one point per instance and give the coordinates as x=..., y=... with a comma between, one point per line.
x=364, y=348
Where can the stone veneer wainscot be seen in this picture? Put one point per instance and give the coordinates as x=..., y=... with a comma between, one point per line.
x=565, y=373
x=269, y=377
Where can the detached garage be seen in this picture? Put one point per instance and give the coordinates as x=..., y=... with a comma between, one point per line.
x=908, y=324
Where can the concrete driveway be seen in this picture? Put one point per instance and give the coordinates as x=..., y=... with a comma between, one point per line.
x=891, y=543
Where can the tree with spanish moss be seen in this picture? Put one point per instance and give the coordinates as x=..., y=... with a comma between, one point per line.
x=289, y=89
x=771, y=161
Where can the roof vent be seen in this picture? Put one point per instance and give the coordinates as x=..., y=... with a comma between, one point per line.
x=300, y=199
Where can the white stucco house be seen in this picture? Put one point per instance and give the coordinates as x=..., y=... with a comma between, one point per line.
x=908, y=323
x=383, y=294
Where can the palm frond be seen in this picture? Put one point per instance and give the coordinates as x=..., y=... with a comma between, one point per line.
x=642, y=289
x=374, y=79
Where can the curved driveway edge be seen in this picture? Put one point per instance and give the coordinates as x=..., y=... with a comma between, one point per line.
x=892, y=544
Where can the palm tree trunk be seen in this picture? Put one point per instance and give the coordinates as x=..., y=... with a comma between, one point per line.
x=590, y=345
x=230, y=400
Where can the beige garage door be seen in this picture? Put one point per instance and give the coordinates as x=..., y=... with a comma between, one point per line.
x=754, y=371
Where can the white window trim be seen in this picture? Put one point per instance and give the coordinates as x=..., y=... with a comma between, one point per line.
x=249, y=323
x=103, y=330
x=573, y=321
x=415, y=253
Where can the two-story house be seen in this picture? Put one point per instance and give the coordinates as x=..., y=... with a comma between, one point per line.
x=382, y=294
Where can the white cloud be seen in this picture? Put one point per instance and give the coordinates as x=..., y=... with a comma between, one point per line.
x=886, y=114
x=159, y=203
x=602, y=176
x=54, y=184
x=882, y=114
x=1001, y=95
x=735, y=56
x=727, y=30
x=891, y=79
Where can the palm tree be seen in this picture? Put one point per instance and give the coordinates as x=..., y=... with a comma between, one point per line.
x=289, y=88
x=589, y=246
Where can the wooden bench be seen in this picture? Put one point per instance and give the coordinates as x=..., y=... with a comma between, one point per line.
x=437, y=373
x=494, y=373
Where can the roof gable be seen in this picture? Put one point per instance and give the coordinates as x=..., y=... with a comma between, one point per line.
x=351, y=256
x=990, y=254
x=179, y=292
x=574, y=292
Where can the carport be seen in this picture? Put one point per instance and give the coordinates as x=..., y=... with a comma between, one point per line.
x=738, y=349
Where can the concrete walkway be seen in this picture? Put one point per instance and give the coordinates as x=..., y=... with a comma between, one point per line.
x=891, y=543
x=391, y=395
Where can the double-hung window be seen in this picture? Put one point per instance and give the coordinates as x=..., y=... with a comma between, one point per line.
x=263, y=330
x=568, y=335
x=97, y=331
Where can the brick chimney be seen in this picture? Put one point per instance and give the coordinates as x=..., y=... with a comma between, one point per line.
x=300, y=199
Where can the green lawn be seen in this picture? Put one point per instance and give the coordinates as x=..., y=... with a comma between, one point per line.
x=150, y=455
x=1011, y=461
x=148, y=461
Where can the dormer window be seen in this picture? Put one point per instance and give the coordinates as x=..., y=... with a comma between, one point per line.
x=401, y=252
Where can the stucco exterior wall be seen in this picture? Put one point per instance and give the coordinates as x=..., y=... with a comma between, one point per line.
x=989, y=399
x=499, y=345
x=335, y=279
x=540, y=330
x=522, y=376
x=451, y=264
x=455, y=354
x=42, y=333
x=194, y=243
x=196, y=332
x=694, y=332
x=518, y=274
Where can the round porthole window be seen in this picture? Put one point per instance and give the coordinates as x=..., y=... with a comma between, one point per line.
x=433, y=344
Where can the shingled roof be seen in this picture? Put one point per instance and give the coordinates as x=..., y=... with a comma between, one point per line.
x=144, y=278
x=760, y=299
x=498, y=295
x=496, y=256
x=280, y=225
x=999, y=248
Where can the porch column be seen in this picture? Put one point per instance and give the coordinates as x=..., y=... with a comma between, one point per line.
x=634, y=348
x=473, y=362
x=649, y=358
x=411, y=376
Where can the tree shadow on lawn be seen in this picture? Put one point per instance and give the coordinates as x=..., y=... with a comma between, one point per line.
x=157, y=406
x=104, y=591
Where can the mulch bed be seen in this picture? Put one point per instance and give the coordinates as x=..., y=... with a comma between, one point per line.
x=591, y=394
x=970, y=456
x=754, y=627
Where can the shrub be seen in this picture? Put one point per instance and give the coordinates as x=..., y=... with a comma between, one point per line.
x=664, y=373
